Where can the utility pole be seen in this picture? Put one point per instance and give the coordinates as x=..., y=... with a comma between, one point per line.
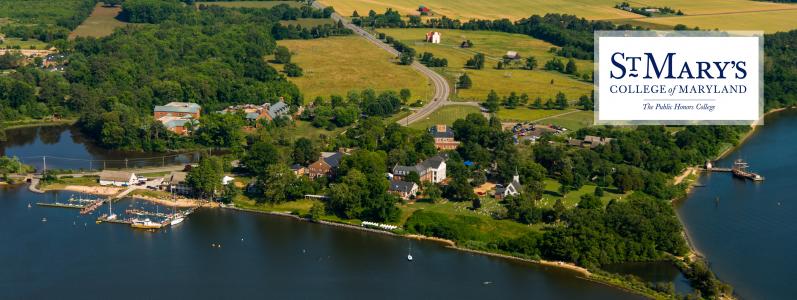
x=163, y=161
x=125, y=162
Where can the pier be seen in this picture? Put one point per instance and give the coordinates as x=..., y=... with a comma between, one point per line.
x=139, y=212
x=61, y=205
x=739, y=169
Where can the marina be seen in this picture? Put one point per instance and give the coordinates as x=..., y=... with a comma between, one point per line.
x=738, y=170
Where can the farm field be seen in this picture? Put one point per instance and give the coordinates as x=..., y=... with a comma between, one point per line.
x=769, y=21
x=445, y=115
x=498, y=9
x=101, y=22
x=527, y=114
x=536, y=83
x=37, y=11
x=337, y=65
x=254, y=4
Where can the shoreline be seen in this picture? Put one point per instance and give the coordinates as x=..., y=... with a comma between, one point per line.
x=694, y=253
x=580, y=272
x=39, y=123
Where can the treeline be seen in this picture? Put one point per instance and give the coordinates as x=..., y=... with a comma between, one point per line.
x=406, y=53
x=780, y=71
x=34, y=93
x=341, y=112
x=295, y=32
x=573, y=34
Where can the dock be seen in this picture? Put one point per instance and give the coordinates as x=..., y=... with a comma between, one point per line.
x=89, y=208
x=739, y=170
x=139, y=212
x=61, y=205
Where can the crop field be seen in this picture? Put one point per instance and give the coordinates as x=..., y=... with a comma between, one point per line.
x=445, y=115
x=709, y=14
x=497, y=9
x=769, y=21
x=536, y=83
x=101, y=22
x=253, y=4
x=337, y=65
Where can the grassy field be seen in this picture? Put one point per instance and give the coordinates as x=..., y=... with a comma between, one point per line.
x=572, y=121
x=527, y=114
x=337, y=65
x=494, y=45
x=254, y=4
x=29, y=44
x=570, y=200
x=101, y=22
x=498, y=9
x=445, y=115
x=37, y=11
x=307, y=22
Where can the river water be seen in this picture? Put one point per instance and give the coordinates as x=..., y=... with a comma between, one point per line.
x=748, y=231
x=69, y=256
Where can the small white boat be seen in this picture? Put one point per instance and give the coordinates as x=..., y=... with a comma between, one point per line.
x=409, y=253
x=111, y=217
x=29, y=205
x=409, y=257
x=177, y=220
x=44, y=219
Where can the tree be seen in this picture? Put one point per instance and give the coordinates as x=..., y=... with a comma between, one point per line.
x=492, y=102
x=293, y=70
x=276, y=181
x=282, y=55
x=571, y=67
x=432, y=191
x=476, y=203
x=205, y=178
x=590, y=202
x=355, y=14
x=561, y=100
x=405, y=95
x=598, y=192
x=531, y=63
x=221, y=130
x=317, y=211
x=304, y=152
x=559, y=208
x=477, y=62
x=464, y=82
x=260, y=156
x=413, y=177
x=586, y=102
x=406, y=58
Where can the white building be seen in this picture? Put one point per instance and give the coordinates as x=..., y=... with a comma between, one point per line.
x=433, y=37
x=117, y=178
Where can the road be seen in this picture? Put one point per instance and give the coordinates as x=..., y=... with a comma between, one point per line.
x=441, y=87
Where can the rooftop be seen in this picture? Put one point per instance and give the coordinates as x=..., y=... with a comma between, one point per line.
x=180, y=107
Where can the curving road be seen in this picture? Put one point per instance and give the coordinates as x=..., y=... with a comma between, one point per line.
x=441, y=88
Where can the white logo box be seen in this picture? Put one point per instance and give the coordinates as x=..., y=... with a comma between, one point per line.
x=679, y=78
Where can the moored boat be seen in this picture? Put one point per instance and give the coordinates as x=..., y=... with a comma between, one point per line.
x=145, y=224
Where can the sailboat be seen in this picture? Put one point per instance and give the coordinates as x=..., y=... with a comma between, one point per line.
x=111, y=215
x=409, y=253
x=176, y=218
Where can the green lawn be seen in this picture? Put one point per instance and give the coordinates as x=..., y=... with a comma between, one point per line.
x=573, y=121
x=445, y=115
x=101, y=22
x=337, y=65
x=571, y=198
x=527, y=114
x=536, y=83
x=253, y=4
x=301, y=206
x=307, y=130
x=29, y=44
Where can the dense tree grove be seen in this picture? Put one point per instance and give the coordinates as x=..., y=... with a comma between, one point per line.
x=780, y=71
